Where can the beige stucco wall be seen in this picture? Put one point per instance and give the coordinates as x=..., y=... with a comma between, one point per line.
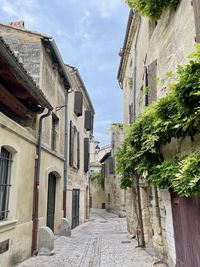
x=18, y=226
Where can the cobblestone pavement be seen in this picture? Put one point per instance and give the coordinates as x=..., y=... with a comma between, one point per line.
x=103, y=241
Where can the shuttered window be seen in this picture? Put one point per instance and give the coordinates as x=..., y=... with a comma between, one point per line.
x=152, y=83
x=74, y=147
x=86, y=154
x=111, y=165
x=88, y=120
x=71, y=144
x=5, y=171
x=131, y=113
x=196, y=6
x=55, y=121
x=78, y=150
x=78, y=103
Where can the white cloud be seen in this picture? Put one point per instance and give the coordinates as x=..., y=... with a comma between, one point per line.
x=105, y=7
x=21, y=10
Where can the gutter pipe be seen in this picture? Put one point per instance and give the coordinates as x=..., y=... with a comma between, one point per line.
x=36, y=185
x=142, y=243
x=135, y=70
x=65, y=156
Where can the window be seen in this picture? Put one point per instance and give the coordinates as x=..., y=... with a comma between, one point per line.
x=74, y=149
x=88, y=120
x=196, y=6
x=86, y=154
x=55, y=121
x=78, y=104
x=5, y=171
x=152, y=83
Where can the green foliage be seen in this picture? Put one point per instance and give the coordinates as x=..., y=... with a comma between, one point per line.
x=187, y=179
x=97, y=176
x=152, y=8
x=174, y=116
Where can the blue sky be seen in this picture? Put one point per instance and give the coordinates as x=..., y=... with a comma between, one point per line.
x=89, y=34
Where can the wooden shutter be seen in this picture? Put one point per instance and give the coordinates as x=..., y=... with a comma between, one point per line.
x=78, y=150
x=111, y=165
x=196, y=6
x=86, y=154
x=131, y=113
x=71, y=144
x=88, y=120
x=146, y=85
x=78, y=103
x=152, y=84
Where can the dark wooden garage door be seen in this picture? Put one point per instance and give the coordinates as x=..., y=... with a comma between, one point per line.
x=186, y=219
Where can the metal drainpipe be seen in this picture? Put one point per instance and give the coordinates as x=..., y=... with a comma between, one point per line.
x=134, y=117
x=65, y=156
x=36, y=185
x=135, y=70
x=142, y=244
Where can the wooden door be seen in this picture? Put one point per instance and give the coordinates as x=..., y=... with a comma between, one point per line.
x=75, y=207
x=51, y=201
x=186, y=220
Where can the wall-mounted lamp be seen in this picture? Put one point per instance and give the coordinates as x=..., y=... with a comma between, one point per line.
x=97, y=149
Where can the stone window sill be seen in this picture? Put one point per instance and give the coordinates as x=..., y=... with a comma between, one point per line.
x=7, y=225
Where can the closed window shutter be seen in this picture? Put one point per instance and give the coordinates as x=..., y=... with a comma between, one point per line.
x=111, y=165
x=78, y=150
x=131, y=113
x=152, y=84
x=88, y=120
x=71, y=144
x=146, y=85
x=196, y=6
x=78, y=103
x=86, y=154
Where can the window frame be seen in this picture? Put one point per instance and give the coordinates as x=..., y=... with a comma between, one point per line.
x=5, y=181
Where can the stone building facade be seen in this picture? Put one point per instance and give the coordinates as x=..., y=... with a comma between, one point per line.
x=81, y=114
x=39, y=154
x=150, y=50
x=97, y=193
x=115, y=198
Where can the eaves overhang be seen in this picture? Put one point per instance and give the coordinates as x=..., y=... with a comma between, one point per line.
x=131, y=29
x=22, y=75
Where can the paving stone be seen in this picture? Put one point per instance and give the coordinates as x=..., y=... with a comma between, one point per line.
x=95, y=244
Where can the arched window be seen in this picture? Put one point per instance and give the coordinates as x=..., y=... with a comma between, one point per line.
x=5, y=171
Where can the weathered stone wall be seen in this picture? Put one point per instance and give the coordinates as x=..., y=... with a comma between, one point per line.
x=170, y=43
x=26, y=46
x=77, y=178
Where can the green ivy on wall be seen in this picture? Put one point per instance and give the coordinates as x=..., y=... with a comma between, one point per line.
x=152, y=8
x=98, y=177
x=174, y=116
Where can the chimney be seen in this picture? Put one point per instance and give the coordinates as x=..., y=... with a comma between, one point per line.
x=17, y=24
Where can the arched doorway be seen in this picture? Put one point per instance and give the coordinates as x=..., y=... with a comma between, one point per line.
x=51, y=200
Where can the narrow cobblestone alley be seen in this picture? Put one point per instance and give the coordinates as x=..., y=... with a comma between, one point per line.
x=103, y=241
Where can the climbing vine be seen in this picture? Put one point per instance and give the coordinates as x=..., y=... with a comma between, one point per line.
x=152, y=8
x=98, y=177
x=174, y=116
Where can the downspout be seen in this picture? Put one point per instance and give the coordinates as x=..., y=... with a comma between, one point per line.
x=36, y=185
x=135, y=70
x=142, y=244
x=65, y=156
